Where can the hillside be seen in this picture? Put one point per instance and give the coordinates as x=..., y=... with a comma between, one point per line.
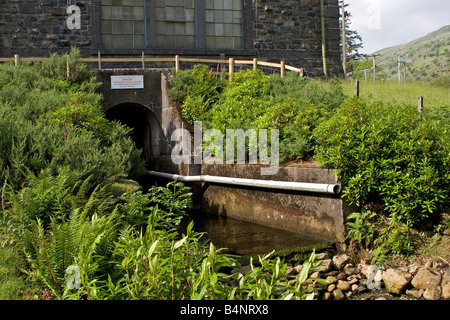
x=429, y=56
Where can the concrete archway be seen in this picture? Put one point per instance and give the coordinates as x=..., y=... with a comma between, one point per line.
x=147, y=133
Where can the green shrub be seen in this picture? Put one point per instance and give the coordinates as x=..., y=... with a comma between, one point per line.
x=66, y=67
x=49, y=121
x=252, y=100
x=442, y=81
x=197, y=89
x=387, y=153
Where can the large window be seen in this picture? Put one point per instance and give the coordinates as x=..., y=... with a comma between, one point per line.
x=175, y=23
x=172, y=24
x=123, y=23
x=223, y=24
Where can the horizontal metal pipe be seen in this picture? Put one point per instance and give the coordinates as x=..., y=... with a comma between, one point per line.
x=284, y=185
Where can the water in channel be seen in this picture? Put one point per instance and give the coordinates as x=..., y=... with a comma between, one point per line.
x=246, y=238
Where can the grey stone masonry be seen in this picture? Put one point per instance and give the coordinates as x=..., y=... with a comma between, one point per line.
x=272, y=31
x=291, y=30
x=30, y=27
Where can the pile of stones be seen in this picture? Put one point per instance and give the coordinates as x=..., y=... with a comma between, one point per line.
x=363, y=281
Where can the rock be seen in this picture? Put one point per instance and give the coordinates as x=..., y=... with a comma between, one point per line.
x=343, y=285
x=322, y=256
x=290, y=270
x=349, y=269
x=331, y=279
x=415, y=293
x=340, y=260
x=326, y=265
x=446, y=284
x=338, y=294
x=367, y=270
x=433, y=292
x=446, y=277
x=331, y=287
x=327, y=296
x=341, y=276
x=426, y=277
x=352, y=279
x=413, y=268
x=396, y=280
x=298, y=268
x=354, y=287
x=440, y=264
x=361, y=288
x=315, y=274
x=446, y=291
x=348, y=294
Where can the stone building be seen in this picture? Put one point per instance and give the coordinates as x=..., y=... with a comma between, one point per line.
x=265, y=29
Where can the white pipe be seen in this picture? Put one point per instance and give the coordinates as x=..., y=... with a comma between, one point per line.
x=284, y=185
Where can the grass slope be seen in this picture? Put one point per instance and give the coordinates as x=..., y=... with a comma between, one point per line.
x=429, y=57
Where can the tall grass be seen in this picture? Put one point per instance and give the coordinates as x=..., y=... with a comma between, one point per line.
x=402, y=93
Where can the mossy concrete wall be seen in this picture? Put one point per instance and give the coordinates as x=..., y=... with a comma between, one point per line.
x=316, y=214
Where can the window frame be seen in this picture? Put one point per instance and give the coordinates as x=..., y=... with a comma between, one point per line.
x=150, y=33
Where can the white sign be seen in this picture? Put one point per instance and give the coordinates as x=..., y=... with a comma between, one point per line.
x=127, y=82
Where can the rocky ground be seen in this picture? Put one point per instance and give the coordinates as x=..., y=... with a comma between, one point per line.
x=427, y=281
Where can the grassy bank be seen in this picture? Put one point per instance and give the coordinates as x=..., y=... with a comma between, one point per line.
x=401, y=93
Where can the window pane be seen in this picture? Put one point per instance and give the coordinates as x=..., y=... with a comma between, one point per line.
x=123, y=23
x=128, y=13
x=138, y=27
x=223, y=24
x=218, y=4
x=116, y=12
x=228, y=4
x=116, y=27
x=127, y=27
x=175, y=23
x=106, y=26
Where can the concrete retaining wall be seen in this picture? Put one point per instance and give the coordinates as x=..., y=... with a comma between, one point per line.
x=312, y=213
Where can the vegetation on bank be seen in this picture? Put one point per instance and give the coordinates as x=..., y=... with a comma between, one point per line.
x=392, y=161
x=71, y=228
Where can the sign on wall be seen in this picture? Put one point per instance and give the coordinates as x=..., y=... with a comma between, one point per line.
x=127, y=82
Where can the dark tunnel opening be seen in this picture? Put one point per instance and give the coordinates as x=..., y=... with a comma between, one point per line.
x=145, y=128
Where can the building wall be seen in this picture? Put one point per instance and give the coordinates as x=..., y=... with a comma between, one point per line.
x=271, y=30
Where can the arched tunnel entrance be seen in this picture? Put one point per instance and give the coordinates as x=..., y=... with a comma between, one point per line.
x=146, y=132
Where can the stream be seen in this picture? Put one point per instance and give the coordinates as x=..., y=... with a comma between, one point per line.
x=247, y=238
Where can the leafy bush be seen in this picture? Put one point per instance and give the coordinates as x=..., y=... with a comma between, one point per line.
x=442, y=81
x=66, y=67
x=198, y=90
x=388, y=154
x=50, y=121
x=252, y=100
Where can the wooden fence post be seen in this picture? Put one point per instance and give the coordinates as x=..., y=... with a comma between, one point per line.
x=282, y=66
x=420, y=106
x=177, y=63
x=357, y=88
x=67, y=69
x=16, y=60
x=255, y=63
x=230, y=67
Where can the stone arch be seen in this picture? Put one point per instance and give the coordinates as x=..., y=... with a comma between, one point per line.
x=147, y=132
